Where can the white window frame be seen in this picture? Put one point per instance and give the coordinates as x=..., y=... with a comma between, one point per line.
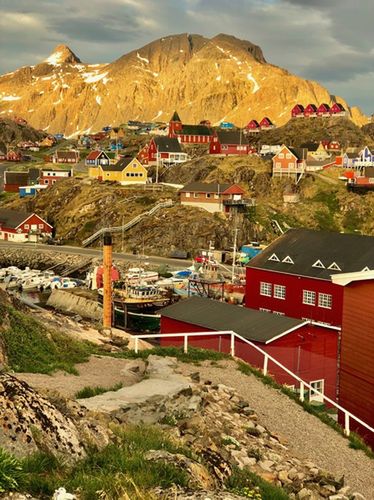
x=281, y=156
x=312, y=395
x=318, y=264
x=279, y=313
x=266, y=289
x=307, y=297
x=334, y=266
x=187, y=195
x=264, y=309
x=279, y=292
x=325, y=300
x=288, y=260
x=288, y=156
x=274, y=258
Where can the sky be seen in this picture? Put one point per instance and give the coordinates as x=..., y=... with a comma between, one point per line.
x=331, y=41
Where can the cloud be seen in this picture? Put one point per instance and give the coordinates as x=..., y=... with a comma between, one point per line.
x=331, y=41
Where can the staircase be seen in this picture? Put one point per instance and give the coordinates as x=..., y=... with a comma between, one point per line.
x=128, y=225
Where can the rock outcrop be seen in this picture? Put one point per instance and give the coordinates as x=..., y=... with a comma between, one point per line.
x=29, y=422
x=221, y=78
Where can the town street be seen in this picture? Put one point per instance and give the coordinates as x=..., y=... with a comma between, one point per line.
x=93, y=252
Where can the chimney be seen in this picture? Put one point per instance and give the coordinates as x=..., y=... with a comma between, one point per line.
x=107, y=283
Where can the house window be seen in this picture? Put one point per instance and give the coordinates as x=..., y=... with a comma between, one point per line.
x=279, y=292
x=278, y=164
x=281, y=156
x=41, y=226
x=187, y=195
x=288, y=156
x=216, y=196
x=274, y=257
x=27, y=226
x=325, y=300
x=196, y=195
x=318, y=263
x=291, y=165
x=265, y=289
x=207, y=195
x=46, y=181
x=309, y=297
x=317, y=385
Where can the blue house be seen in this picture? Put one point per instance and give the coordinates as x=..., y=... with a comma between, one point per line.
x=30, y=190
x=227, y=125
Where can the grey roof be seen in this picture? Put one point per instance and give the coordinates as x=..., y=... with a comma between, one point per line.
x=232, y=137
x=305, y=247
x=167, y=144
x=13, y=218
x=300, y=153
x=249, y=323
x=204, y=187
x=34, y=174
x=19, y=178
x=195, y=130
x=119, y=166
x=175, y=117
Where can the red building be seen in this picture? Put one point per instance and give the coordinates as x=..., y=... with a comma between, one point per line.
x=190, y=134
x=231, y=142
x=96, y=158
x=323, y=110
x=65, y=157
x=356, y=374
x=13, y=155
x=309, y=351
x=214, y=197
x=266, y=124
x=292, y=276
x=51, y=176
x=253, y=126
x=163, y=150
x=310, y=110
x=22, y=226
x=338, y=109
x=14, y=180
x=297, y=111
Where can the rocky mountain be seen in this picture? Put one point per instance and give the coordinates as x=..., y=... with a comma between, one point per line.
x=11, y=133
x=221, y=78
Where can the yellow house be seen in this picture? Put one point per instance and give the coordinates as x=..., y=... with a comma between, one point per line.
x=126, y=171
x=320, y=153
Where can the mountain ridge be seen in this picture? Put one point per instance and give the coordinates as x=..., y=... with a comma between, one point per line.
x=218, y=78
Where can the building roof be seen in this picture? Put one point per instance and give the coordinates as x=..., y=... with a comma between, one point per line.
x=175, y=117
x=18, y=178
x=249, y=323
x=13, y=218
x=312, y=106
x=93, y=155
x=195, y=130
x=317, y=254
x=34, y=174
x=204, y=187
x=119, y=166
x=339, y=105
x=167, y=144
x=67, y=154
x=232, y=137
x=300, y=106
x=300, y=153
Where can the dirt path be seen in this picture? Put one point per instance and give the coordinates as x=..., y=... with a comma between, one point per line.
x=101, y=371
x=308, y=437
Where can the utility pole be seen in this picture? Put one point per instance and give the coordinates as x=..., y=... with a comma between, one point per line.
x=107, y=283
x=234, y=255
x=123, y=233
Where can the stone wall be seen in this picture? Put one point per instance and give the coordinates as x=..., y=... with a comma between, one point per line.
x=66, y=301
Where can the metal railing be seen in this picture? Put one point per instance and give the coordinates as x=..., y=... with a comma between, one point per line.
x=128, y=225
x=233, y=336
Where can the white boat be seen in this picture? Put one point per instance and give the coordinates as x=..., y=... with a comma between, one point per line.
x=138, y=274
x=58, y=283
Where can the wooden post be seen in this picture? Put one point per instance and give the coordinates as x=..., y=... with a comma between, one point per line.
x=265, y=369
x=107, y=283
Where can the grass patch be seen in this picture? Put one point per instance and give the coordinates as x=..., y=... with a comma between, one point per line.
x=89, y=392
x=355, y=441
x=118, y=470
x=32, y=348
x=249, y=485
x=10, y=472
x=194, y=355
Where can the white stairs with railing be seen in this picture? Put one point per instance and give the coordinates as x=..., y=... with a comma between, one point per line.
x=128, y=225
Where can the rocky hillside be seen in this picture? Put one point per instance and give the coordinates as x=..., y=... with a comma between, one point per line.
x=303, y=131
x=11, y=133
x=221, y=78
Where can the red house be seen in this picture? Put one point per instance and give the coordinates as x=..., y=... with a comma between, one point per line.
x=51, y=176
x=356, y=374
x=309, y=351
x=338, y=109
x=14, y=180
x=13, y=155
x=266, y=124
x=230, y=142
x=65, y=157
x=96, y=158
x=190, y=134
x=297, y=111
x=22, y=226
x=323, y=110
x=162, y=149
x=253, y=126
x=310, y=111
x=292, y=276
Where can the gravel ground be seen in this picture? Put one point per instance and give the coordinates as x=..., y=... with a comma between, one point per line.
x=308, y=437
x=101, y=371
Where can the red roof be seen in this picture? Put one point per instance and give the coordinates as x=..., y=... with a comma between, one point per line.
x=265, y=122
x=234, y=189
x=93, y=155
x=253, y=124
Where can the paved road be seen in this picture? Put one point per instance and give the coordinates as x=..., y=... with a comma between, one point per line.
x=92, y=252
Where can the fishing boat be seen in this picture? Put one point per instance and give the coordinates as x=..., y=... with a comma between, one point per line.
x=137, y=321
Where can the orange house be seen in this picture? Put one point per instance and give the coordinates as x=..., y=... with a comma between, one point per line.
x=290, y=162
